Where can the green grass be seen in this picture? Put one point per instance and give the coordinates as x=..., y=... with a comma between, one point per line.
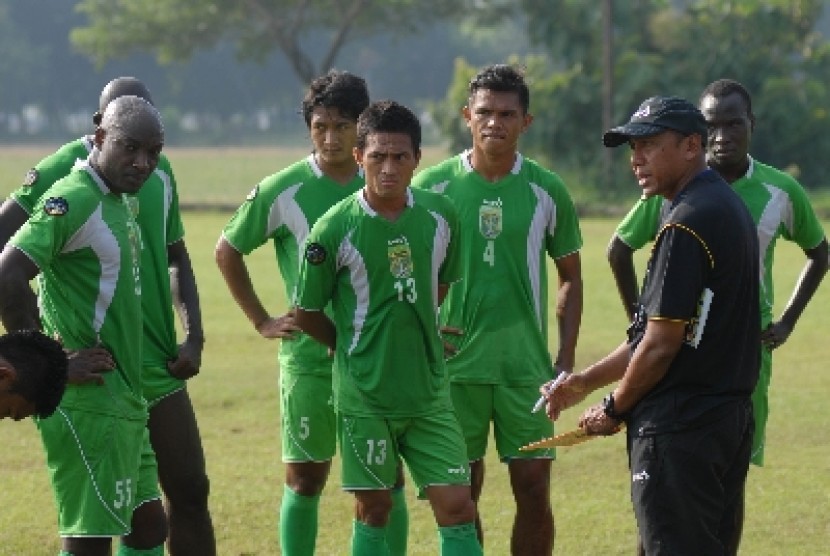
x=236, y=401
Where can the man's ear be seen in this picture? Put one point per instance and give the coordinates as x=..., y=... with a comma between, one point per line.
x=357, y=153
x=8, y=376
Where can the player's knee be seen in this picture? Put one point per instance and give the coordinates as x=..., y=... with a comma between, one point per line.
x=189, y=495
x=306, y=484
x=373, y=510
x=149, y=526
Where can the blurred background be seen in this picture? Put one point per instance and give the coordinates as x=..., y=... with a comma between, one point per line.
x=232, y=72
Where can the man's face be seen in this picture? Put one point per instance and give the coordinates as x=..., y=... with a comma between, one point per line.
x=730, y=129
x=128, y=155
x=334, y=137
x=496, y=120
x=659, y=162
x=388, y=161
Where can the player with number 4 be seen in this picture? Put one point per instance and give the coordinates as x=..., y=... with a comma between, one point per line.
x=513, y=214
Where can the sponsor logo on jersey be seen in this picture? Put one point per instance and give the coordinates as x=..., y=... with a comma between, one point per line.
x=490, y=219
x=400, y=257
x=640, y=477
x=315, y=253
x=254, y=192
x=56, y=206
x=30, y=178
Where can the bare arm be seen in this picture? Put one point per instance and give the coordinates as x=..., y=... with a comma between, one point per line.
x=568, y=309
x=186, y=301
x=235, y=271
x=621, y=259
x=18, y=303
x=12, y=217
x=317, y=325
x=808, y=282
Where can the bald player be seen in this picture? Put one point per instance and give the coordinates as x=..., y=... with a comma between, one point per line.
x=166, y=271
x=83, y=244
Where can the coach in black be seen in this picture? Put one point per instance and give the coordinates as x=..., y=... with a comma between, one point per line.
x=691, y=360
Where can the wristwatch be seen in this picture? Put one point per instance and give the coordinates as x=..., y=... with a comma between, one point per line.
x=608, y=408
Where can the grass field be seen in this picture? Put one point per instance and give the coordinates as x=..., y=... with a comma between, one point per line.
x=236, y=401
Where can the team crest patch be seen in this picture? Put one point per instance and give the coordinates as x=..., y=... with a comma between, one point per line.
x=30, y=178
x=400, y=257
x=254, y=192
x=56, y=206
x=315, y=253
x=490, y=219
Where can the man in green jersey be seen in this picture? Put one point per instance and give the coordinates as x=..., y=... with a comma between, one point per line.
x=166, y=273
x=32, y=374
x=384, y=258
x=513, y=213
x=83, y=244
x=283, y=208
x=780, y=209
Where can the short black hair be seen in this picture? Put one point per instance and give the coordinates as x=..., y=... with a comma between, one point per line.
x=41, y=366
x=119, y=87
x=336, y=89
x=504, y=79
x=388, y=116
x=725, y=87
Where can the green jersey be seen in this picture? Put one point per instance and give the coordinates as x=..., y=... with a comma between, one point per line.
x=779, y=207
x=160, y=223
x=507, y=228
x=283, y=208
x=382, y=280
x=86, y=244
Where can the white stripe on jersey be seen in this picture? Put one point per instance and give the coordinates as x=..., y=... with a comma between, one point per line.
x=443, y=234
x=286, y=211
x=777, y=211
x=542, y=223
x=96, y=235
x=349, y=257
x=168, y=199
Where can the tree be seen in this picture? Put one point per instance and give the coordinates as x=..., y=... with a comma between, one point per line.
x=303, y=30
x=670, y=47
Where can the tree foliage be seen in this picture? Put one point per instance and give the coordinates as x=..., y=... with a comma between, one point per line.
x=669, y=47
x=310, y=33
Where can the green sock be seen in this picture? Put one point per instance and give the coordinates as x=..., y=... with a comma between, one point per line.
x=397, y=529
x=459, y=540
x=127, y=551
x=64, y=553
x=298, y=523
x=368, y=540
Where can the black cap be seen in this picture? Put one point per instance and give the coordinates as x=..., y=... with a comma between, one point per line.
x=656, y=115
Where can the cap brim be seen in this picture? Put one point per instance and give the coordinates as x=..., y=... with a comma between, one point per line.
x=617, y=136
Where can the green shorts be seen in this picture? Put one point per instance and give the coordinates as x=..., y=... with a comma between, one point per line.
x=148, y=473
x=309, y=428
x=157, y=383
x=760, y=407
x=372, y=447
x=509, y=409
x=93, y=463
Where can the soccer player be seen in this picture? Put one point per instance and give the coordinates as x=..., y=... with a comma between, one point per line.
x=282, y=209
x=513, y=213
x=83, y=243
x=687, y=370
x=384, y=258
x=32, y=374
x=167, y=279
x=780, y=209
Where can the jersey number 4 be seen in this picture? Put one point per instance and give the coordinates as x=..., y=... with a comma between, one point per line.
x=490, y=252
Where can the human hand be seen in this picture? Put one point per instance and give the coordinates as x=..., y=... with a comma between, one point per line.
x=449, y=348
x=284, y=327
x=569, y=392
x=595, y=421
x=86, y=365
x=775, y=334
x=188, y=361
